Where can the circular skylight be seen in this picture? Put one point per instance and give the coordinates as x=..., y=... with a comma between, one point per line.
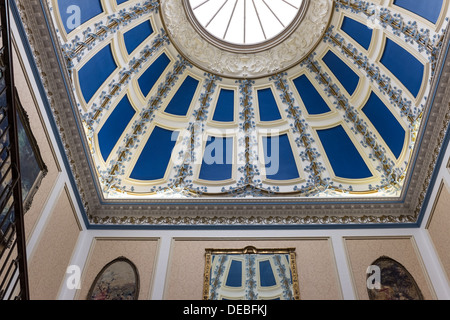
x=245, y=23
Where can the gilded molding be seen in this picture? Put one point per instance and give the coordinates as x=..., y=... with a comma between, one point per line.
x=251, y=294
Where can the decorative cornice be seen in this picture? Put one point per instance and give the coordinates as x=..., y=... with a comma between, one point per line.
x=272, y=221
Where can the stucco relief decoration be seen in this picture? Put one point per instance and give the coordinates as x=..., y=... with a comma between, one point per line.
x=248, y=65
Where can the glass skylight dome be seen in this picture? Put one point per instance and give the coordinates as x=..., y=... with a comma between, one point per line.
x=332, y=104
x=248, y=23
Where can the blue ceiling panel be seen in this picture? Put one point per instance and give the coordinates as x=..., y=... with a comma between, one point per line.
x=343, y=155
x=266, y=276
x=268, y=108
x=386, y=124
x=225, y=106
x=234, y=277
x=95, y=72
x=428, y=9
x=74, y=13
x=179, y=105
x=358, y=31
x=312, y=100
x=155, y=156
x=148, y=79
x=134, y=37
x=217, y=159
x=404, y=66
x=346, y=76
x=114, y=126
x=279, y=158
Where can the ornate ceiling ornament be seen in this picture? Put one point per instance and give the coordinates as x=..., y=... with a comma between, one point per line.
x=218, y=59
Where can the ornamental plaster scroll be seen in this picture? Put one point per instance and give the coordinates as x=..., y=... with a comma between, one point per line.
x=288, y=53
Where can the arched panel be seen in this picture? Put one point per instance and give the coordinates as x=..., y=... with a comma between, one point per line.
x=118, y=280
x=234, y=276
x=390, y=280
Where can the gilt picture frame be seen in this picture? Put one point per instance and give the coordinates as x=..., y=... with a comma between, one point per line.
x=251, y=274
x=33, y=169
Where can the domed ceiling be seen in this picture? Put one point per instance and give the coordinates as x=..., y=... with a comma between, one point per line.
x=276, y=101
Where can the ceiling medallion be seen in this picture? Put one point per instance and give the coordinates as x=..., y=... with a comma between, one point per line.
x=255, y=56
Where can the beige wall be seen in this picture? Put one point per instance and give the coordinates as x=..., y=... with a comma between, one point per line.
x=51, y=257
x=439, y=226
x=362, y=252
x=318, y=279
x=142, y=252
x=40, y=133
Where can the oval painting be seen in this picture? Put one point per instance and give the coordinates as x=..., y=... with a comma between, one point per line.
x=396, y=282
x=118, y=280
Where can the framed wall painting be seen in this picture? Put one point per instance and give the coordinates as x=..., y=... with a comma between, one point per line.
x=251, y=274
x=118, y=280
x=32, y=167
x=396, y=283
